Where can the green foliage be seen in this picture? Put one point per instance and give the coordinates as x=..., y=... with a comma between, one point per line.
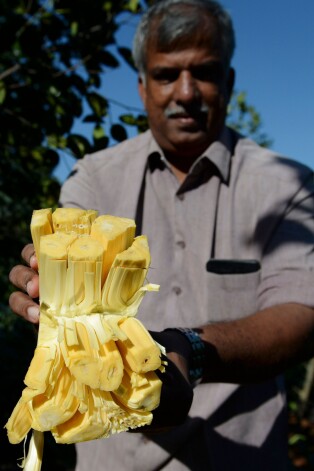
x=300, y=395
x=139, y=121
x=245, y=119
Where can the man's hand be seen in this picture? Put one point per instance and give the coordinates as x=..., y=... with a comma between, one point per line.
x=25, y=278
x=176, y=392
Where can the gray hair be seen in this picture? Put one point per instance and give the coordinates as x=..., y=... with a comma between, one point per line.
x=169, y=22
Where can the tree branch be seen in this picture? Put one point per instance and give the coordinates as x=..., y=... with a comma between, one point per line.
x=10, y=71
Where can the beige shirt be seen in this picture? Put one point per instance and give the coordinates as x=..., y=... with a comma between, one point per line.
x=238, y=202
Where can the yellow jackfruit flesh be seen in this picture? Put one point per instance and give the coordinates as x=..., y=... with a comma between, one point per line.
x=145, y=397
x=139, y=350
x=92, y=373
x=41, y=224
x=115, y=234
x=73, y=220
x=126, y=275
x=19, y=423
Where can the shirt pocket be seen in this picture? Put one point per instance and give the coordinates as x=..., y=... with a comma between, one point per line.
x=232, y=288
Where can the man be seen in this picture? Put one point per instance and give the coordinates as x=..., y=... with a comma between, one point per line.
x=231, y=233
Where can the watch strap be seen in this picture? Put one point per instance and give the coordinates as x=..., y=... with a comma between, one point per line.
x=196, y=366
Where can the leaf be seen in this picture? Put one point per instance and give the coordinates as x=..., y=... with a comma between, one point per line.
x=56, y=141
x=100, y=144
x=52, y=157
x=118, y=132
x=128, y=119
x=98, y=104
x=108, y=59
x=296, y=439
x=2, y=92
x=78, y=144
x=91, y=118
x=133, y=6
x=98, y=133
x=140, y=121
x=126, y=53
x=74, y=28
x=94, y=80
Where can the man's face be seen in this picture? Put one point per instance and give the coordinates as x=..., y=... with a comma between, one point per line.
x=185, y=94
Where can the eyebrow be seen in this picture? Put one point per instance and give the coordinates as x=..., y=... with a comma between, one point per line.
x=215, y=63
x=211, y=68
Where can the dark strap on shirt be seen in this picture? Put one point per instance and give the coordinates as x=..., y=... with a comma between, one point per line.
x=139, y=212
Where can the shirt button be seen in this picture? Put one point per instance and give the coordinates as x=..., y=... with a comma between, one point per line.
x=181, y=244
x=177, y=290
x=181, y=197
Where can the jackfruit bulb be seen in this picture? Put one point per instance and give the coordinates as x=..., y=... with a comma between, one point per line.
x=93, y=372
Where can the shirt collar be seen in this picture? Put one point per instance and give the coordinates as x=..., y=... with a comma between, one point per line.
x=221, y=151
x=218, y=153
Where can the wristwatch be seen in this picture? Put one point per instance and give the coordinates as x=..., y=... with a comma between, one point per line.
x=197, y=359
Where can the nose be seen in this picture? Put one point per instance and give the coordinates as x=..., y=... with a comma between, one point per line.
x=186, y=90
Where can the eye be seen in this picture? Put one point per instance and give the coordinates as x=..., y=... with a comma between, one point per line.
x=165, y=75
x=208, y=72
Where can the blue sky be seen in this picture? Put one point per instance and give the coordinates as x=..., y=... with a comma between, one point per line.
x=274, y=62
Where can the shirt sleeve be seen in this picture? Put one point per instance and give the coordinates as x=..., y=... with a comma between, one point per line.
x=288, y=260
x=78, y=190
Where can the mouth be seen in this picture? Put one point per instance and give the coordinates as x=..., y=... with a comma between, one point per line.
x=188, y=118
x=189, y=121
x=184, y=116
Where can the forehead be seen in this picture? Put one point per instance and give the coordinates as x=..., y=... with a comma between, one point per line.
x=181, y=59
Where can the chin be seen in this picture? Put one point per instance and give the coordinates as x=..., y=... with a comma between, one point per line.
x=190, y=142
x=184, y=142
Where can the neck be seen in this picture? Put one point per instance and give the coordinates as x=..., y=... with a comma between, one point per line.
x=181, y=165
x=179, y=174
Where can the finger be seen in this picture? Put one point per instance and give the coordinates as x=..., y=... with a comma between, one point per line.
x=28, y=254
x=32, y=287
x=24, y=306
x=176, y=396
x=25, y=279
x=180, y=363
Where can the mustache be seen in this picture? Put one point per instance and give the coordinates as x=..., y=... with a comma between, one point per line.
x=185, y=110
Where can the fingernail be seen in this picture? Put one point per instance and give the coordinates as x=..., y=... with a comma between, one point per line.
x=33, y=314
x=29, y=286
x=33, y=260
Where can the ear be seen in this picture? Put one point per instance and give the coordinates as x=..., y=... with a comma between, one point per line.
x=142, y=90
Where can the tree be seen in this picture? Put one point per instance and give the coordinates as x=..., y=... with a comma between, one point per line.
x=52, y=56
x=244, y=117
